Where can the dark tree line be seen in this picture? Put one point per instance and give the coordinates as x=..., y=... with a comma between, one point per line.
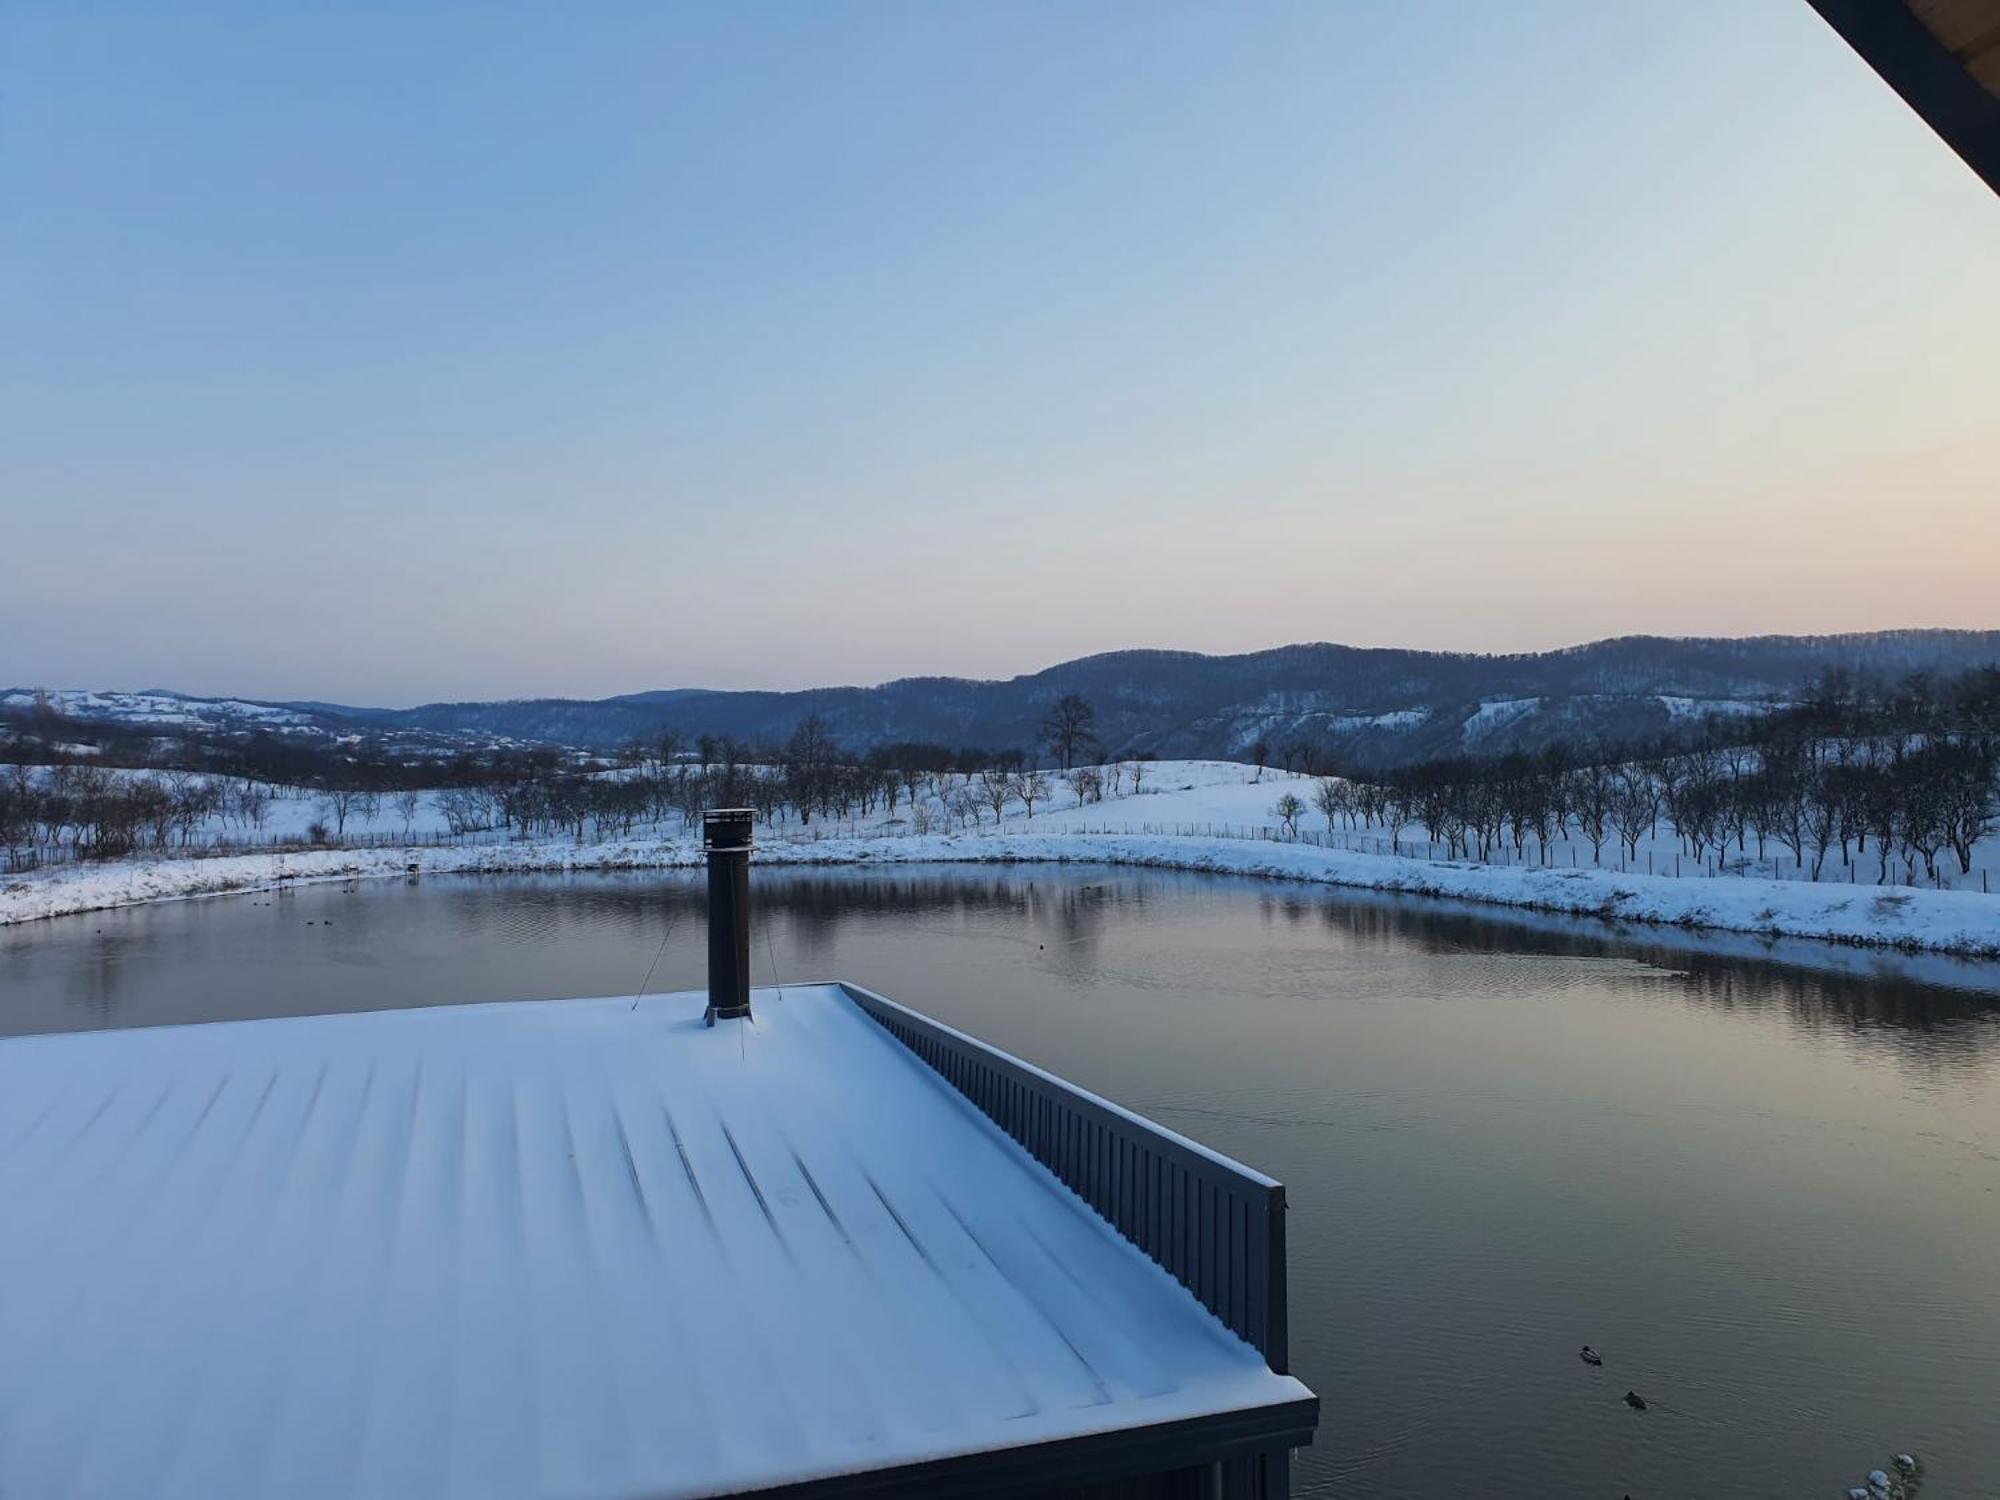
x=1901, y=774
x=1906, y=774
x=99, y=813
x=170, y=790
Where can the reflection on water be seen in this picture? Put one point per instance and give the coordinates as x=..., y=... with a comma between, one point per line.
x=1872, y=994
x=1762, y=1177
x=155, y=956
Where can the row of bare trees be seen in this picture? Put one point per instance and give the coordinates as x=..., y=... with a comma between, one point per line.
x=810, y=777
x=1909, y=775
x=92, y=811
x=100, y=813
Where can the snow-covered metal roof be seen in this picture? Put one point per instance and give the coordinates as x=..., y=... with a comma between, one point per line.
x=581, y=1248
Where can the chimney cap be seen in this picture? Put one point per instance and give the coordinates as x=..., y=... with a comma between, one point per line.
x=727, y=827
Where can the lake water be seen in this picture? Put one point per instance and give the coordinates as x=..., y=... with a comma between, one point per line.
x=1765, y=1184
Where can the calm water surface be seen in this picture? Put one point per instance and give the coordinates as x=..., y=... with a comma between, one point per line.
x=1765, y=1185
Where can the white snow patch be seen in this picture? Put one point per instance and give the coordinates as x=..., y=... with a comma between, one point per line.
x=1709, y=708
x=148, y=708
x=1399, y=718
x=1497, y=714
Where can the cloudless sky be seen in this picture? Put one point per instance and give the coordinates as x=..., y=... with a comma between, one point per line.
x=405, y=351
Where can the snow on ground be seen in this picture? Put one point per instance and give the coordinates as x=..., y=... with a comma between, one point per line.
x=1395, y=718
x=291, y=812
x=1227, y=798
x=1697, y=709
x=1175, y=795
x=1200, y=815
x=1943, y=921
x=1496, y=714
x=288, y=817
x=1185, y=793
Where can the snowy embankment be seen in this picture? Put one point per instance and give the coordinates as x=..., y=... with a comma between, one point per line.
x=1917, y=920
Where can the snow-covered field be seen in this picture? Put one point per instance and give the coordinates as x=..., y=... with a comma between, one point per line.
x=1199, y=815
x=1202, y=797
x=1213, y=792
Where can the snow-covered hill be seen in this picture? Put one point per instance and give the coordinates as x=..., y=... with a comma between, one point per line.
x=161, y=713
x=159, y=708
x=1380, y=706
x=1366, y=706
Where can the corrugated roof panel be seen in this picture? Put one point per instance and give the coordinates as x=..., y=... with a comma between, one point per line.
x=567, y=1248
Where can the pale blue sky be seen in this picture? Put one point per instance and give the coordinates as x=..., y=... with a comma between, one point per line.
x=417, y=350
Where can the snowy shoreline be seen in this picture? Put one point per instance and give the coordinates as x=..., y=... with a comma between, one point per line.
x=1866, y=915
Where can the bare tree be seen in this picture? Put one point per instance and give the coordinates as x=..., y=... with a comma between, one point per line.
x=1289, y=810
x=1084, y=782
x=60, y=803
x=1590, y=797
x=253, y=804
x=911, y=773
x=1070, y=729
x=407, y=804
x=811, y=762
x=1260, y=755
x=1635, y=803
x=342, y=803
x=1924, y=819
x=1779, y=796
x=690, y=796
x=17, y=819
x=1485, y=812
x=965, y=806
x=997, y=788
x=187, y=805
x=463, y=809
x=1971, y=799
x=1032, y=787
x=195, y=800
x=1331, y=798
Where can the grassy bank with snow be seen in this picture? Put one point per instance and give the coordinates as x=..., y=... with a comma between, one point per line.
x=1913, y=920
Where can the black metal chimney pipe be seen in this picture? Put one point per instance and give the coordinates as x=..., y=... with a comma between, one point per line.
x=725, y=835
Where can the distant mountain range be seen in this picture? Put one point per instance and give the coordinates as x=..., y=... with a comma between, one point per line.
x=1383, y=706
